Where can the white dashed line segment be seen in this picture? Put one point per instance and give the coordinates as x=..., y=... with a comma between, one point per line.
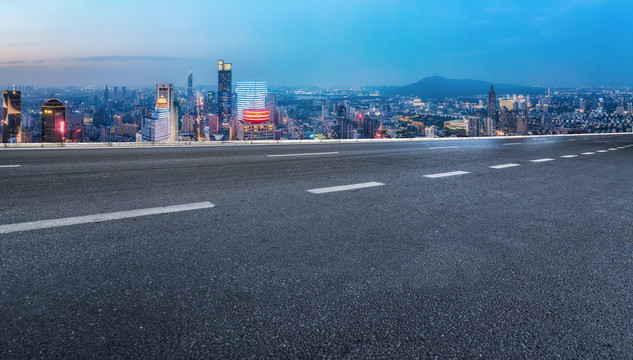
x=447, y=174
x=588, y=153
x=569, y=156
x=507, y=144
x=9, y=166
x=44, y=224
x=541, y=160
x=345, y=187
x=504, y=166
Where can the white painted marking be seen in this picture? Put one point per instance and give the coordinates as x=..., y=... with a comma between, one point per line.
x=612, y=149
x=546, y=141
x=569, y=156
x=506, y=144
x=504, y=166
x=602, y=151
x=345, y=187
x=571, y=140
x=304, y=154
x=541, y=160
x=44, y=224
x=441, y=175
x=443, y=147
x=9, y=166
x=589, y=153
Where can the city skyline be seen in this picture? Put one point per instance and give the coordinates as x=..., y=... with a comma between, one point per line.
x=358, y=43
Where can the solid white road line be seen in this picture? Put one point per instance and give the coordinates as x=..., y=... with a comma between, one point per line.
x=441, y=175
x=541, y=160
x=304, y=154
x=602, y=151
x=9, y=166
x=506, y=144
x=34, y=225
x=589, y=153
x=443, y=147
x=345, y=187
x=569, y=156
x=504, y=166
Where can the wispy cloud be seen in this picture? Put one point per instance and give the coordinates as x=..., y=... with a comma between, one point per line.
x=126, y=59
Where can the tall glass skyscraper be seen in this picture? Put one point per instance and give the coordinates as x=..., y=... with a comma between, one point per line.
x=251, y=95
x=11, y=116
x=163, y=121
x=53, y=121
x=224, y=92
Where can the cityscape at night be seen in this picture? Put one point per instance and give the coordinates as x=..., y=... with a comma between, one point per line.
x=316, y=179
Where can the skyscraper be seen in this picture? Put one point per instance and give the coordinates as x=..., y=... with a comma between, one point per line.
x=164, y=122
x=491, y=121
x=224, y=92
x=190, y=85
x=11, y=116
x=251, y=95
x=53, y=121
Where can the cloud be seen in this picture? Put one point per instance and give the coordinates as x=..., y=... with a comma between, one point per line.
x=125, y=59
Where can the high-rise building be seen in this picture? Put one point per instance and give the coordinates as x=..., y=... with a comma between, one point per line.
x=190, y=85
x=491, y=121
x=251, y=95
x=53, y=121
x=11, y=116
x=164, y=122
x=224, y=92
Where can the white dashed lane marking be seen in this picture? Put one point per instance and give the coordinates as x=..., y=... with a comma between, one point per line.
x=588, y=153
x=44, y=224
x=506, y=144
x=602, y=151
x=345, y=187
x=569, y=156
x=446, y=174
x=9, y=166
x=504, y=166
x=541, y=160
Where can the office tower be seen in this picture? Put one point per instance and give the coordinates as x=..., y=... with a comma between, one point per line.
x=473, y=126
x=522, y=123
x=491, y=121
x=343, y=127
x=251, y=95
x=106, y=94
x=53, y=121
x=224, y=92
x=11, y=116
x=190, y=85
x=164, y=122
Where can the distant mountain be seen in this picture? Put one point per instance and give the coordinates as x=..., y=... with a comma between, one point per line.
x=437, y=87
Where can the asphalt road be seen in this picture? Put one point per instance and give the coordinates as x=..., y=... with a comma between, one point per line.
x=528, y=260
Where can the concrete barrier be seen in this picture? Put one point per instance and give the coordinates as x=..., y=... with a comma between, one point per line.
x=268, y=142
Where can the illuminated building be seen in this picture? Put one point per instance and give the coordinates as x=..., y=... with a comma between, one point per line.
x=165, y=120
x=53, y=121
x=11, y=116
x=255, y=125
x=224, y=92
x=251, y=95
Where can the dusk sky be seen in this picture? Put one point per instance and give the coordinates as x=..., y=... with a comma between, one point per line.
x=316, y=43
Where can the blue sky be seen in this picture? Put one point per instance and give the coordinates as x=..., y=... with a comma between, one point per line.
x=320, y=43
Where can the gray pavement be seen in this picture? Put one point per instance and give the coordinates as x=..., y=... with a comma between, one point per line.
x=528, y=261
